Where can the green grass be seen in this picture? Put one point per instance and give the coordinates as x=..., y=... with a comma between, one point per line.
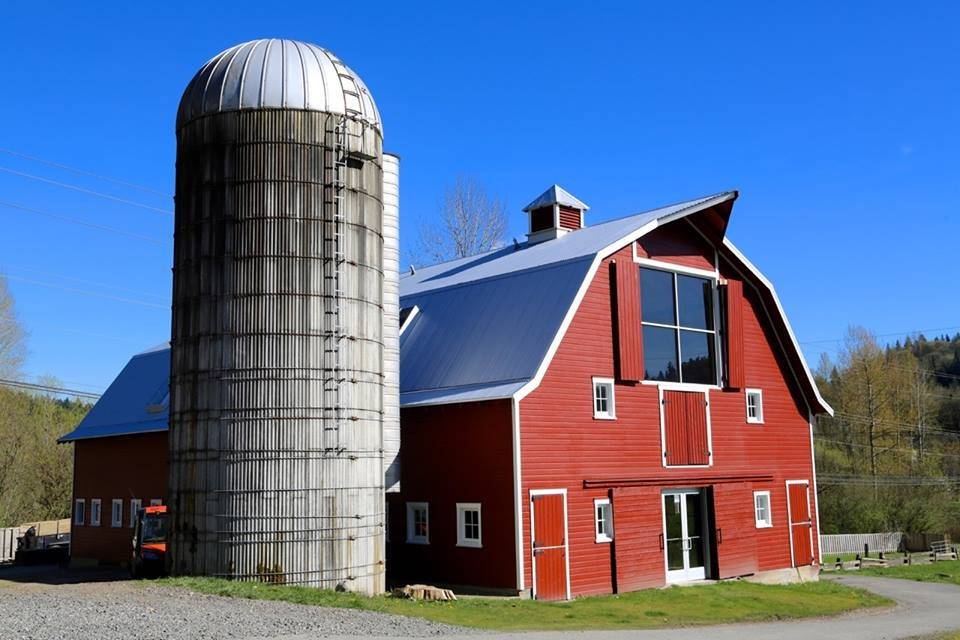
x=944, y=571
x=653, y=608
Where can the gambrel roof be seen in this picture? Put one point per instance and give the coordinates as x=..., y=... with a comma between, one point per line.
x=485, y=327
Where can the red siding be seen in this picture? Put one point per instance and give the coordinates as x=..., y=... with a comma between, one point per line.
x=685, y=428
x=734, y=338
x=629, y=340
x=569, y=217
x=122, y=467
x=678, y=243
x=562, y=445
x=449, y=454
x=638, y=545
x=736, y=529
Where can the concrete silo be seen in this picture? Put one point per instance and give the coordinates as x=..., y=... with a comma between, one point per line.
x=277, y=380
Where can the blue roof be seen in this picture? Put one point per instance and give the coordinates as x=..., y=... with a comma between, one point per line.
x=136, y=402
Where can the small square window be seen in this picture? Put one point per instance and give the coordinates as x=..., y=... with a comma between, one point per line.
x=135, y=506
x=468, y=524
x=95, y=512
x=603, y=401
x=754, y=406
x=116, y=513
x=156, y=502
x=418, y=522
x=761, y=508
x=603, y=517
x=79, y=507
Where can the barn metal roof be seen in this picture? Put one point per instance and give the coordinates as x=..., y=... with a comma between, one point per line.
x=277, y=74
x=136, y=402
x=484, y=329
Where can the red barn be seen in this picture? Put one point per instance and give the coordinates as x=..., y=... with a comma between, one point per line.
x=598, y=409
x=601, y=409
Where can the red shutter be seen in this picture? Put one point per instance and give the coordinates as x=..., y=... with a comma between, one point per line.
x=736, y=532
x=637, y=539
x=685, y=428
x=735, y=302
x=629, y=340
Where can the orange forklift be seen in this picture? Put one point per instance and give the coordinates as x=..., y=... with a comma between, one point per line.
x=149, y=542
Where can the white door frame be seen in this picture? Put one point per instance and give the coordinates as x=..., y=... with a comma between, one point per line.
x=533, y=535
x=688, y=575
x=793, y=561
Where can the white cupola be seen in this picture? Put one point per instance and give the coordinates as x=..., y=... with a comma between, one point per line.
x=554, y=213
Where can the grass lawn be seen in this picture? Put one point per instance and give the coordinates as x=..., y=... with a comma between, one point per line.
x=943, y=571
x=676, y=606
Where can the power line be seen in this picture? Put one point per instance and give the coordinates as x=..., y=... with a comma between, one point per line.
x=95, y=294
x=17, y=384
x=885, y=335
x=886, y=449
x=886, y=481
x=98, y=194
x=84, y=172
x=162, y=298
x=100, y=227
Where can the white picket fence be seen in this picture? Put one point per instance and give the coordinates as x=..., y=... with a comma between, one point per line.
x=8, y=543
x=853, y=542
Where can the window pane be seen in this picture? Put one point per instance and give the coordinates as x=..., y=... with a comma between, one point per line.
x=660, y=354
x=698, y=357
x=656, y=296
x=695, y=298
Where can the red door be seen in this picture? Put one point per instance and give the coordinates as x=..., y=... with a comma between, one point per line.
x=736, y=534
x=686, y=441
x=801, y=526
x=549, y=546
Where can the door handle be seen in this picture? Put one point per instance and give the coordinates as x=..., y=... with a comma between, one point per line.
x=720, y=535
x=661, y=542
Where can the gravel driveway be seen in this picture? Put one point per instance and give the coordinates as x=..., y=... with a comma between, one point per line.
x=44, y=604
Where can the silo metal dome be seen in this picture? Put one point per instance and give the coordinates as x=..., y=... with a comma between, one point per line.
x=282, y=386
x=277, y=74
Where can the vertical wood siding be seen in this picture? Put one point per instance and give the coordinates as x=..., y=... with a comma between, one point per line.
x=685, y=428
x=449, y=454
x=629, y=340
x=549, y=554
x=735, y=529
x=734, y=337
x=562, y=445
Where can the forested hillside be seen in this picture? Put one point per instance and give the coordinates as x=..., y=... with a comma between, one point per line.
x=890, y=457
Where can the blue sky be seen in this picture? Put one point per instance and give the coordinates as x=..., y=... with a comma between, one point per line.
x=840, y=125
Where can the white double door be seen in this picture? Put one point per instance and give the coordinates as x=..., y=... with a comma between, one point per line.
x=684, y=518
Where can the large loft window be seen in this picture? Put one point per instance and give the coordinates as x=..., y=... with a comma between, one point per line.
x=679, y=330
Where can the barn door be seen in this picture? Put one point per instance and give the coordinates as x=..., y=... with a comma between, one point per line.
x=735, y=537
x=549, y=514
x=801, y=525
x=686, y=438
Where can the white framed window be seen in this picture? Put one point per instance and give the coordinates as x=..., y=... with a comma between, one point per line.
x=754, y=406
x=95, y=512
x=79, y=508
x=761, y=509
x=116, y=512
x=603, y=401
x=156, y=502
x=418, y=522
x=135, y=505
x=468, y=524
x=603, y=518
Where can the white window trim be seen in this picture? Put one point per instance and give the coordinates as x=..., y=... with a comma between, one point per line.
x=603, y=537
x=411, y=538
x=746, y=403
x=612, y=413
x=462, y=508
x=95, y=510
x=79, y=511
x=761, y=524
x=676, y=386
x=714, y=278
x=135, y=505
x=115, y=521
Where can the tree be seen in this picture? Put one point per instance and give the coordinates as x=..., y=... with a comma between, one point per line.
x=13, y=347
x=471, y=222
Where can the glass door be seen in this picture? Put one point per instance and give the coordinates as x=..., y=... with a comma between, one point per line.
x=683, y=528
